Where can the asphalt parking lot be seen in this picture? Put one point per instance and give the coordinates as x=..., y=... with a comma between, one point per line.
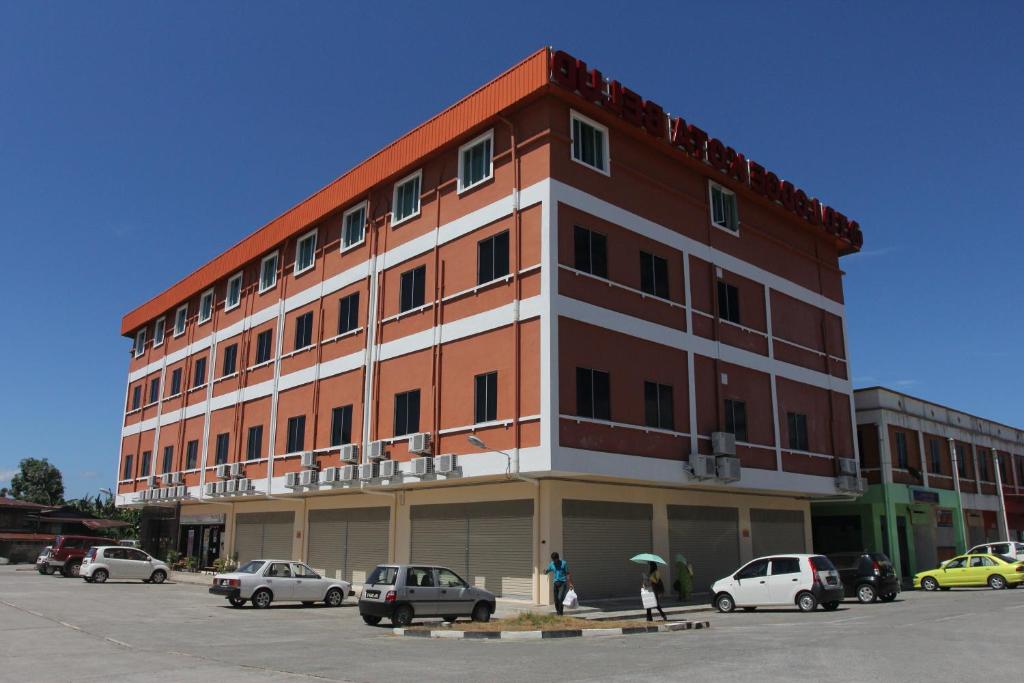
x=56, y=629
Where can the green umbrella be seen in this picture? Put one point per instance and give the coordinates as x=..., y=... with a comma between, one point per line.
x=644, y=558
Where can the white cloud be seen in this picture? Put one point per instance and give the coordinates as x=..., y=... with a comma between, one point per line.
x=5, y=475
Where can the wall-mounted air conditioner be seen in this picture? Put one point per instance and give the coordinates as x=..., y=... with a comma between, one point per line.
x=703, y=466
x=420, y=443
x=368, y=470
x=222, y=471
x=847, y=466
x=291, y=480
x=851, y=484
x=308, y=459
x=142, y=495
x=209, y=488
x=329, y=475
x=445, y=464
x=728, y=468
x=422, y=466
x=236, y=469
x=166, y=479
x=376, y=451
x=723, y=443
x=347, y=472
x=244, y=485
x=219, y=488
x=151, y=481
x=230, y=486
x=350, y=453
x=181, y=492
x=308, y=477
x=387, y=469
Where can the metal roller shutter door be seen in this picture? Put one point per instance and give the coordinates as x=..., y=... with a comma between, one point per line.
x=488, y=544
x=264, y=535
x=709, y=538
x=348, y=543
x=599, y=538
x=777, y=531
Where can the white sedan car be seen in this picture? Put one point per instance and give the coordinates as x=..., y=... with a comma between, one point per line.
x=266, y=581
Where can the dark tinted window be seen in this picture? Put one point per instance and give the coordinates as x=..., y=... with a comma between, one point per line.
x=254, y=446
x=222, y=448
x=492, y=258
x=407, y=412
x=593, y=394
x=755, y=568
x=821, y=563
x=341, y=425
x=136, y=396
x=845, y=561
x=296, y=434
x=133, y=554
x=230, y=360
x=736, y=418
x=485, y=391
x=168, y=462
x=728, y=302
x=192, y=455
x=412, y=289
x=785, y=565
x=653, y=275
x=658, y=410
x=383, y=576
x=797, y=424
x=901, y=450
x=591, y=252
x=199, y=373
x=348, y=315
x=263, y=341
x=154, y=390
x=176, y=382
x=304, y=330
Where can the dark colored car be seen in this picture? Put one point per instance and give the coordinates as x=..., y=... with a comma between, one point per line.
x=867, y=576
x=67, y=553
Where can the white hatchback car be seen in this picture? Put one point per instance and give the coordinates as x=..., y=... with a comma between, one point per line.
x=1009, y=549
x=266, y=581
x=802, y=580
x=118, y=562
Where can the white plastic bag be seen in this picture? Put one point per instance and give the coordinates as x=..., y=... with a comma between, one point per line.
x=571, y=600
x=648, y=598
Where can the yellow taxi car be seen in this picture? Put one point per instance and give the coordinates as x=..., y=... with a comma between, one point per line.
x=994, y=571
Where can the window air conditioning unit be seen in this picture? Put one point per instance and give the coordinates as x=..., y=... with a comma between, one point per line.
x=142, y=495
x=291, y=480
x=223, y=471
x=422, y=466
x=845, y=482
x=728, y=468
x=219, y=488
x=375, y=451
x=167, y=493
x=368, y=470
x=350, y=453
x=329, y=475
x=244, y=485
x=230, y=486
x=151, y=481
x=848, y=467
x=209, y=489
x=347, y=472
x=236, y=469
x=703, y=466
x=308, y=459
x=308, y=477
x=181, y=492
x=387, y=469
x=445, y=464
x=420, y=443
x=178, y=478
x=166, y=479
x=723, y=443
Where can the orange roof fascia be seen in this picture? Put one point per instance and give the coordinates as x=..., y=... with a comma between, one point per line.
x=521, y=81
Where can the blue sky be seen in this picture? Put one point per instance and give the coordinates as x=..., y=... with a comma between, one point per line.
x=138, y=140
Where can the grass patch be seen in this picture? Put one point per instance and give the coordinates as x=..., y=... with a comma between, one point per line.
x=532, y=621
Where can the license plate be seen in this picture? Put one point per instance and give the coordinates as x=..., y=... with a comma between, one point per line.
x=373, y=594
x=832, y=580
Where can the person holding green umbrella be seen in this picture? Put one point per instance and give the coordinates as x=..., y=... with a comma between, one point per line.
x=653, y=581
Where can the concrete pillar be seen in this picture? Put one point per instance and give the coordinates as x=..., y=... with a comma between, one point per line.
x=550, y=538
x=885, y=461
x=659, y=536
x=746, y=542
x=400, y=543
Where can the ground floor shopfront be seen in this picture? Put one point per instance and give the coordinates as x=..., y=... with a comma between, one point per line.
x=500, y=535
x=928, y=525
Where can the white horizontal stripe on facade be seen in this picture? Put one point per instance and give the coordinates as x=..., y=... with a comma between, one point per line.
x=560, y=192
x=453, y=331
x=685, y=341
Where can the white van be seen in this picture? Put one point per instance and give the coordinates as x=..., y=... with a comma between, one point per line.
x=805, y=581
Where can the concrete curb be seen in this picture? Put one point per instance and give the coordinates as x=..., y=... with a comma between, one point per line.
x=548, y=635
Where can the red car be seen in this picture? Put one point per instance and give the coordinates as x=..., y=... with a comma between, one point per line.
x=67, y=553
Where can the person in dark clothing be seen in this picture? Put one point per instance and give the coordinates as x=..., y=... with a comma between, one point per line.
x=563, y=579
x=657, y=586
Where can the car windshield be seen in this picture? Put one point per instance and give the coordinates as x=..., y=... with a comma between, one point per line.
x=383, y=576
x=250, y=567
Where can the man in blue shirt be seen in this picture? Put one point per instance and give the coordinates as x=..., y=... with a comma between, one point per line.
x=563, y=579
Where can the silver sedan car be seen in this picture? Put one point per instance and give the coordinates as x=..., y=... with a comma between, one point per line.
x=403, y=591
x=267, y=581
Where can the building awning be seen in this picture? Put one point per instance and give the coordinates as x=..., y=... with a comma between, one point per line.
x=26, y=536
x=100, y=523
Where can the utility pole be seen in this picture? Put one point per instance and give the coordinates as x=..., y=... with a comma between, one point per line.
x=959, y=500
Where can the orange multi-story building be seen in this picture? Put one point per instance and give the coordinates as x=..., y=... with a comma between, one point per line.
x=607, y=299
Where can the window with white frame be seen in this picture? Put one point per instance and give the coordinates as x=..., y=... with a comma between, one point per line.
x=589, y=142
x=158, y=332
x=140, y=342
x=305, y=252
x=234, y=293
x=476, y=161
x=268, y=272
x=724, y=211
x=206, y=306
x=180, y=318
x=353, y=227
x=406, y=203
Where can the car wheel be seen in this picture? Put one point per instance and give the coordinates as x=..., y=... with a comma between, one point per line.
x=402, y=616
x=72, y=569
x=334, y=598
x=370, y=619
x=888, y=597
x=831, y=605
x=725, y=603
x=159, y=576
x=481, y=612
x=866, y=593
x=806, y=602
x=996, y=582
x=929, y=583
x=100, y=576
x=236, y=601
x=48, y=570
x=262, y=598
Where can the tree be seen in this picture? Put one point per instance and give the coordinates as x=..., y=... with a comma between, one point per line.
x=37, y=481
x=3, y=492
